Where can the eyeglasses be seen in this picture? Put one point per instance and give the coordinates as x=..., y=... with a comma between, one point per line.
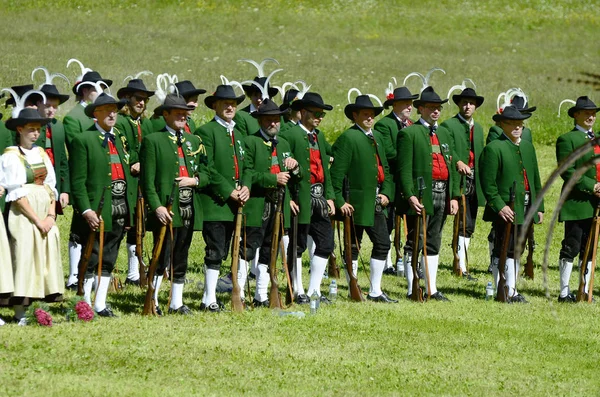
x=317, y=113
x=140, y=98
x=434, y=108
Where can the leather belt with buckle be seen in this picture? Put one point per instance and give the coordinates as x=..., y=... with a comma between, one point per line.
x=316, y=190
x=439, y=186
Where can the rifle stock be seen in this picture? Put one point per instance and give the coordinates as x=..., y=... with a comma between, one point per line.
x=455, y=231
x=417, y=292
x=293, y=246
x=87, y=251
x=353, y=287
x=274, y=296
x=139, y=237
x=397, y=240
x=502, y=293
x=149, y=306
x=236, y=293
x=333, y=270
x=100, y=254
x=530, y=249
x=592, y=236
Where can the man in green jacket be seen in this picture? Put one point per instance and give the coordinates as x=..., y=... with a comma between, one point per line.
x=190, y=94
x=134, y=125
x=313, y=196
x=225, y=151
x=401, y=101
x=425, y=151
x=361, y=168
x=167, y=156
x=578, y=211
x=99, y=163
x=268, y=167
x=509, y=161
x=467, y=137
x=244, y=122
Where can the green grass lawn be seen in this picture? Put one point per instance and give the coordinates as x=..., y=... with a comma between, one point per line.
x=468, y=346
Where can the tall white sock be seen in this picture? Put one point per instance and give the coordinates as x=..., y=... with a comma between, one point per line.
x=74, y=257
x=311, y=247
x=463, y=246
x=354, y=271
x=101, y=292
x=176, y=296
x=157, y=282
x=88, y=283
x=210, y=290
x=517, y=272
x=377, y=266
x=242, y=276
x=262, y=282
x=133, y=272
x=431, y=274
x=254, y=262
x=408, y=271
x=297, y=278
x=565, y=267
x=588, y=276
x=510, y=276
x=317, y=268
x=495, y=272
x=388, y=260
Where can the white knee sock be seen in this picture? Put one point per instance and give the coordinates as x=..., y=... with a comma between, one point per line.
x=286, y=244
x=511, y=277
x=311, y=247
x=242, y=276
x=262, y=282
x=463, y=246
x=588, y=276
x=210, y=290
x=377, y=266
x=354, y=271
x=388, y=260
x=176, y=296
x=133, y=272
x=88, y=283
x=101, y=292
x=517, y=272
x=431, y=273
x=317, y=268
x=74, y=257
x=565, y=267
x=157, y=282
x=297, y=278
x=495, y=272
x=408, y=271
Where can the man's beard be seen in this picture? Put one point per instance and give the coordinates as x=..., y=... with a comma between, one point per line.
x=271, y=132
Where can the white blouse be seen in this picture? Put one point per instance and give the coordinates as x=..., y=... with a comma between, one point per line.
x=13, y=174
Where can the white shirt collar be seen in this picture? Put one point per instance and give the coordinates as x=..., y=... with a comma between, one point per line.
x=470, y=122
x=514, y=143
x=580, y=128
x=425, y=123
x=171, y=130
x=306, y=129
x=370, y=132
x=102, y=131
x=225, y=124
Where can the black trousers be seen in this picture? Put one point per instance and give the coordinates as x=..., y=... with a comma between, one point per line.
x=435, y=225
x=320, y=230
x=576, y=235
x=110, y=252
x=260, y=237
x=471, y=216
x=378, y=233
x=498, y=229
x=217, y=237
x=176, y=249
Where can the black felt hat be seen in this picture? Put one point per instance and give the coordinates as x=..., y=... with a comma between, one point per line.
x=187, y=89
x=361, y=102
x=223, y=91
x=26, y=116
x=134, y=85
x=289, y=97
x=21, y=90
x=519, y=102
x=173, y=101
x=511, y=113
x=400, y=94
x=583, y=103
x=250, y=88
x=102, y=99
x=468, y=93
x=268, y=108
x=51, y=91
x=92, y=77
x=429, y=96
x=310, y=99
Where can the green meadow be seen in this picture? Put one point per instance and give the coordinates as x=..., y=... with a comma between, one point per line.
x=466, y=347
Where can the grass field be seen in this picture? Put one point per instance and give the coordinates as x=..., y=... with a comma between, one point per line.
x=468, y=346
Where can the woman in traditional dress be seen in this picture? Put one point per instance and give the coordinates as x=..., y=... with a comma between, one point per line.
x=29, y=179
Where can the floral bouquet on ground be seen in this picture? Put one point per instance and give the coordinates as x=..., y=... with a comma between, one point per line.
x=79, y=310
x=38, y=313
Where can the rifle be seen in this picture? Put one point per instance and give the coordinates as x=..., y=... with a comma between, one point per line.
x=293, y=246
x=592, y=236
x=502, y=293
x=397, y=240
x=139, y=237
x=236, y=292
x=417, y=292
x=355, y=291
x=274, y=296
x=100, y=254
x=455, y=230
x=87, y=251
x=333, y=270
x=463, y=205
x=149, y=306
x=530, y=249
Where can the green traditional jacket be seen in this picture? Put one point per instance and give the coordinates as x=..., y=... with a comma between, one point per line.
x=6, y=140
x=496, y=132
x=415, y=159
x=159, y=160
x=286, y=125
x=260, y=180
x=61, y=162
x=90, y=168
x=355, y=157
x=581, y=202
x=461, y=133
x=244, y=122
x=128, y=127
x=158, y=124
x=220, y=152
x=297, y=137
x=504, y=162
x=75, y=122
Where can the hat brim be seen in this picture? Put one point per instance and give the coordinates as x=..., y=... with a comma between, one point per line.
x=250, y=88
x=61, y=98
x=161, y=108
x=89, y=109
x=268, y=113
x=76, y=86
x=528, y=110
x=390, y=102
x=210, y=100
x=419, y=102
x=12, y=124
x=130, y=90
x=501, y=116
x=351, y=108
x=574, y=109
x=302, y=104
x=478, y=99
x=187, y=94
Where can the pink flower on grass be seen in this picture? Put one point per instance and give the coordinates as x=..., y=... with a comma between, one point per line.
x=43, y=317
x=84, y=311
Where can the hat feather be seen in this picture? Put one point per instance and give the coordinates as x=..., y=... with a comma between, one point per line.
x=49, y=77
x=424, y=79
x=20, y=101
x=97, y=85
x=504, y=98
x=259, y=66
x=84, y=70
x=232, y=83
x=137, y=76
x=565, y=101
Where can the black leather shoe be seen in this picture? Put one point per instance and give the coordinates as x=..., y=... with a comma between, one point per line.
x=381, y=298
x=468, y=277
x=570, y=298
x=71, y=287
x=302, y=299
x=183, y=309
x=518, y=298
x=129, y=281
x=159, y=312
x=107, y=312
x=256, y=303
x=325, y=300
x=390, y=271
x=438, y=296
x=213, y=308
